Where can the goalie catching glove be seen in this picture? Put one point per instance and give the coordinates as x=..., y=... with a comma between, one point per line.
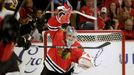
x=85, y=61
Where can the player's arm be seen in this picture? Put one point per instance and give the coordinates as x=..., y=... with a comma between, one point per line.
x=63, y=17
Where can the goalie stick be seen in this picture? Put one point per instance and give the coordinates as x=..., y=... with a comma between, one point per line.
x=77, y=12
x=100, y=46
x=82, y=14
x=104, y=44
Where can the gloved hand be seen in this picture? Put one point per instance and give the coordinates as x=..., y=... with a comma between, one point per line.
x=27, y=44
x=23, y=42
x=85, y=61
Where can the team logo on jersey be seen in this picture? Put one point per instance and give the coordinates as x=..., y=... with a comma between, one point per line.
x=64, y=53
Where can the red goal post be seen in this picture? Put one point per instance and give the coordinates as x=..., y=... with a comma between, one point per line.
x=97, y=37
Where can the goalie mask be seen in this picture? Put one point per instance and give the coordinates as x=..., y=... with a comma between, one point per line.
x=71, y=35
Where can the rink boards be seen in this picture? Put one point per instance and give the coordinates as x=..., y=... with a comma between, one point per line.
x=106, y=60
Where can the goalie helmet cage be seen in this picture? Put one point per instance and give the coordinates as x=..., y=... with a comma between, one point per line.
x=95, y=35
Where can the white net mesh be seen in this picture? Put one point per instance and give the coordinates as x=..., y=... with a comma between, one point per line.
x=100, y=36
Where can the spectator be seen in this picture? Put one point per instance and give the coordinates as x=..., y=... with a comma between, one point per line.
x=111, y=24
x=129, y=25
x=86, y=23
x=129, y=29
x=112, y=11
x=39, y=20
x=126, y=16
x=76, y=4
x=106, y=3
x=125, y=12
x=133, y=4
x=102, y=18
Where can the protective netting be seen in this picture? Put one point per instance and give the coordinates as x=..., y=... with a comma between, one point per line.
x=104, y=37
x=90, y=37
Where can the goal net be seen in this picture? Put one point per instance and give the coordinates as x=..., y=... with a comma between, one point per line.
x=106, y=48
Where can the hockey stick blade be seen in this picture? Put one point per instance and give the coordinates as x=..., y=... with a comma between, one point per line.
x=103, y=45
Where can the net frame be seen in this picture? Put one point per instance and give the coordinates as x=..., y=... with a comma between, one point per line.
x=113, y=38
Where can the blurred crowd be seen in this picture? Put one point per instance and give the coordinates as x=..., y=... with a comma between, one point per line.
x=111, y=15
